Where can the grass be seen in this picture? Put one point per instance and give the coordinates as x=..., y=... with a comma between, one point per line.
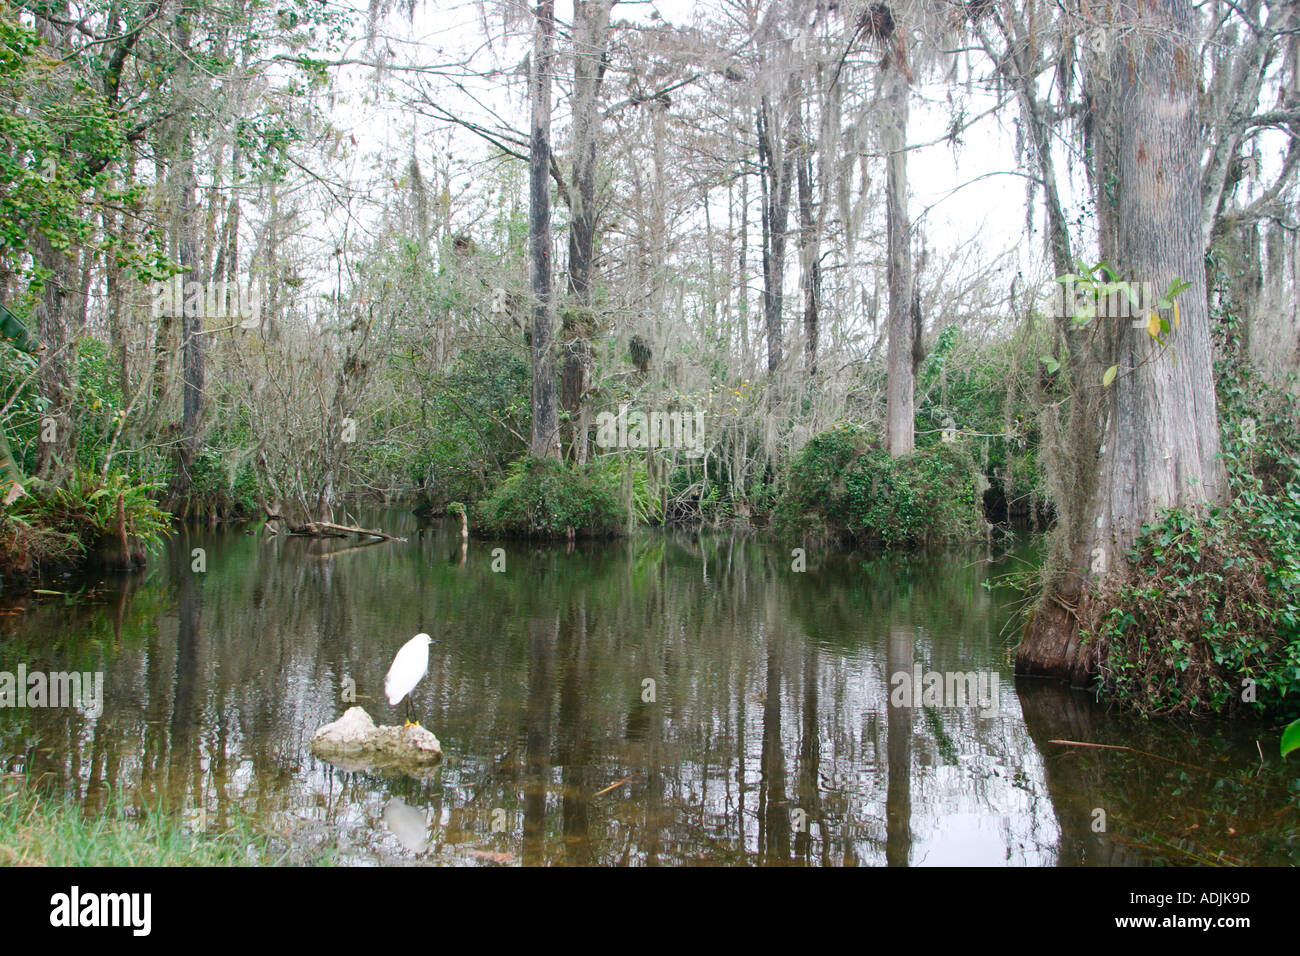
x=40, y=830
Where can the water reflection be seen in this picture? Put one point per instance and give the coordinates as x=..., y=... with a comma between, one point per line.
x=663, y=700
x=408, y=825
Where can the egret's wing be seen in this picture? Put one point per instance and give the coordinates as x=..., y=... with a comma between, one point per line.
x=408, y=667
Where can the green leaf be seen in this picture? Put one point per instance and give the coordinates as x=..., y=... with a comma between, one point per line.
x=1109, y=376
x=1291, y=738
x=15, y=329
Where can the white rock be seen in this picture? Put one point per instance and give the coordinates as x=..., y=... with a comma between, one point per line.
x=354, y=739
x=353, y=729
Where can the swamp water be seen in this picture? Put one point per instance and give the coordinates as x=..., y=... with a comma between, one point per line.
x=672, y=698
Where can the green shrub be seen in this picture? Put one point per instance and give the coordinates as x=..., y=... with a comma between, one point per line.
x=544, y=498
x=628, y=475
x=1206, y=620
x=845, y=485
x=222, y=481
x=989, y=388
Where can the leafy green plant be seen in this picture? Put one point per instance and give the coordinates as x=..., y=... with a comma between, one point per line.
x=986, y=393
x=541, y=497
x=848, y=486
x=93, y=511
x=1291, y=738
x=630, y=477
x=1100, y=283
x=468, y=430
x=1200, y=623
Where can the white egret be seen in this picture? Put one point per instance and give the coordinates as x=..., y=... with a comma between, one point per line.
x=409, y=666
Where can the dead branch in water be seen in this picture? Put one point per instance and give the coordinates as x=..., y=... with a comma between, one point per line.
x=327, y=529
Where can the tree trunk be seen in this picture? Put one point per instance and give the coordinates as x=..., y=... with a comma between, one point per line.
x=900, y=399
x=56, y=452
x=742, y=279
x=776, y=167
x=115, y=288
x=545, y=440
x=192, y=343
x=590, y=40
x=1160, y=441
x=191, y=319
x=809, y=264
x=56, y=448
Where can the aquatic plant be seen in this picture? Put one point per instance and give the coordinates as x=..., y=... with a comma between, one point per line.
x=41, y=830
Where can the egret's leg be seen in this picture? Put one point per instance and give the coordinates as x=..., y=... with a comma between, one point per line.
x=408, y=711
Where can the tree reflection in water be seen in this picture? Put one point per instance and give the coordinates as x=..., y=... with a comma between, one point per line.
x=768, y=737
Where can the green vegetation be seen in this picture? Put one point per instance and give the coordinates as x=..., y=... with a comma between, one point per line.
x=546, y=498
x=988, y=394
x=39, y=830
x=846, y=485
x=465, y=432
x=109, y=521
x=56, y=526
x=1204, y=622
x=56, y=155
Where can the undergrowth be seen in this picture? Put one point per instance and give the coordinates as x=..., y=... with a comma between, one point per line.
x=544, y=498
x=79, y=522
x=845, y=485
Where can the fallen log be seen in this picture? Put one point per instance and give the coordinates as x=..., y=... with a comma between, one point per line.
x=359, y=532
x=327, y=529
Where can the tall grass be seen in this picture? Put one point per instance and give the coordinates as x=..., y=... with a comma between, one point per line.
x=40, y=830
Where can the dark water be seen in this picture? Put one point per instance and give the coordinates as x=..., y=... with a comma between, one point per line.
x=765, y=737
